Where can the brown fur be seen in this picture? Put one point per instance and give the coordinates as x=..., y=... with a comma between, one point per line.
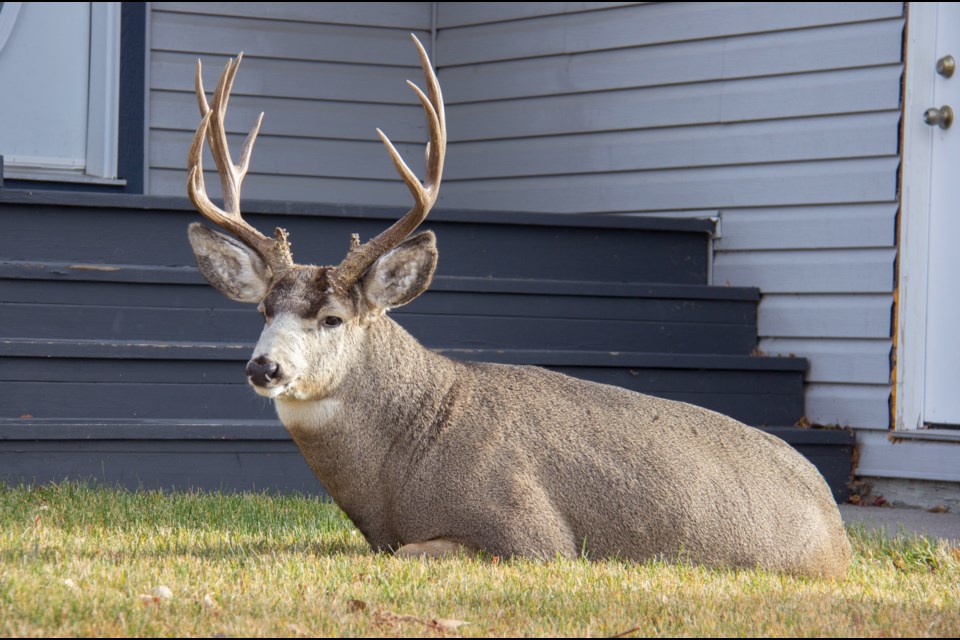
x=523, y=461
x=520, y=461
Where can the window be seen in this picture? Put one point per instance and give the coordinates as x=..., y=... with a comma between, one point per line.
x=60, y=69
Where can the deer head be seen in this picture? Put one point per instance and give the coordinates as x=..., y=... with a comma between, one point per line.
x=316, y=316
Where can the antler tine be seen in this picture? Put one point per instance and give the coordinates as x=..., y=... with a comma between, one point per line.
x=275, y=251
x=361, y=257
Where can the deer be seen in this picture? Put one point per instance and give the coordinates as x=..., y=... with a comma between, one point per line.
x=432, y=457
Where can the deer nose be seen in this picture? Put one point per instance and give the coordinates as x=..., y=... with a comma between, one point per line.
x=262, y=371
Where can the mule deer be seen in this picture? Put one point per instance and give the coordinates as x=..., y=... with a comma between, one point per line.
x=428, y=455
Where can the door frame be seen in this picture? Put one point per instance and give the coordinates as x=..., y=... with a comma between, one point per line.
x=907, y=404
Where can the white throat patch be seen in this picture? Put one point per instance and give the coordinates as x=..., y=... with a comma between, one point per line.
x=307, y=415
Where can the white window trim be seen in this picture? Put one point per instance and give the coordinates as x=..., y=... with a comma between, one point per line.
x=8, y=18
x=103, y=110
x=103, y=107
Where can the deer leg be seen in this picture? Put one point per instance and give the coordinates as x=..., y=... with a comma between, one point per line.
x=436, y=548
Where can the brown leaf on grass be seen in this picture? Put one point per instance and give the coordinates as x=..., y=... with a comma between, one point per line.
x=624, y=634
x=303, y=632
x=443, y=625
x=357, y=605
x=939, y=509
x=446, y=624
x=146, y=599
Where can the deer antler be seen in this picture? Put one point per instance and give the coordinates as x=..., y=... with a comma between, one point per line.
x=361, y=257
x=275, y=251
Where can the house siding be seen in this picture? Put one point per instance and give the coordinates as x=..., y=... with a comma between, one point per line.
x=780, y=119
x=325, y=74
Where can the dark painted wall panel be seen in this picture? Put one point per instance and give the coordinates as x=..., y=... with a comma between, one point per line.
x=107, y=320
x=510, y=330
x=759, y=398
x=258, y=465
x=446, y=297
x=148, y=465
x=488, y=249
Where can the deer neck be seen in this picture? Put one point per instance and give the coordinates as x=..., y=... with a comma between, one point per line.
x=361, y=438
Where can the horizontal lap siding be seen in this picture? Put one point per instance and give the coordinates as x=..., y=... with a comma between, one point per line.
x=326, y=75
x=779, y=118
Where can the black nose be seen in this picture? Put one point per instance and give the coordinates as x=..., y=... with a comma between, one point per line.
x=262, y=371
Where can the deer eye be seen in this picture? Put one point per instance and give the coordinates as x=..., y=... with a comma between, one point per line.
x=331, y=321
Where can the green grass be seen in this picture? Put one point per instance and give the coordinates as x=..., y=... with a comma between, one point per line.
x=82, y=561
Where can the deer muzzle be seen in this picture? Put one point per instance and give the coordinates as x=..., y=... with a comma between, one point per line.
x=264, y=372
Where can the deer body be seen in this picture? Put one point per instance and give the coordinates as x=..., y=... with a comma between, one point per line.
x=428, y=455
x=421, y=447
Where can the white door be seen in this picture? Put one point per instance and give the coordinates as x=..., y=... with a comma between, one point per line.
x=942, y=368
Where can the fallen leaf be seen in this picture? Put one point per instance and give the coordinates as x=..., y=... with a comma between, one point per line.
x=147, y=599
x=26, y=416
x=447, y=624
x=444, y=625
x=938, y=509
x=357, y=605
x=297, y=630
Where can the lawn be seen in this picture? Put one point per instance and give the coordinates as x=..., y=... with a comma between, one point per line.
x=81, y=561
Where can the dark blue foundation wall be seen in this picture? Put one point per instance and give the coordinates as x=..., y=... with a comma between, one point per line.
x=121, y=365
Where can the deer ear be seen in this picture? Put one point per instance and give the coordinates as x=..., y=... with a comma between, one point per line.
x=403, y=273
x=230, y=266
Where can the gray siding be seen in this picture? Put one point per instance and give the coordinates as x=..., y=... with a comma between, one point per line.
x=325, y=74
x=780, y=118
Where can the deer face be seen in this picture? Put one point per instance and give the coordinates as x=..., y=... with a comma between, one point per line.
x=317, y=318
x=315, y=330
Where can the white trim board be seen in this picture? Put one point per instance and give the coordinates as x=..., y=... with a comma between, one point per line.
x=914, y=216
x=908, y=459
x=103, y=106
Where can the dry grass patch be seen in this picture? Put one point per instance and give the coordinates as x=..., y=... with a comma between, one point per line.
x=82, y=561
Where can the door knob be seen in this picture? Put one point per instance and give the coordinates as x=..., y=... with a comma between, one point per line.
x=942, y=117
x=946, y=66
